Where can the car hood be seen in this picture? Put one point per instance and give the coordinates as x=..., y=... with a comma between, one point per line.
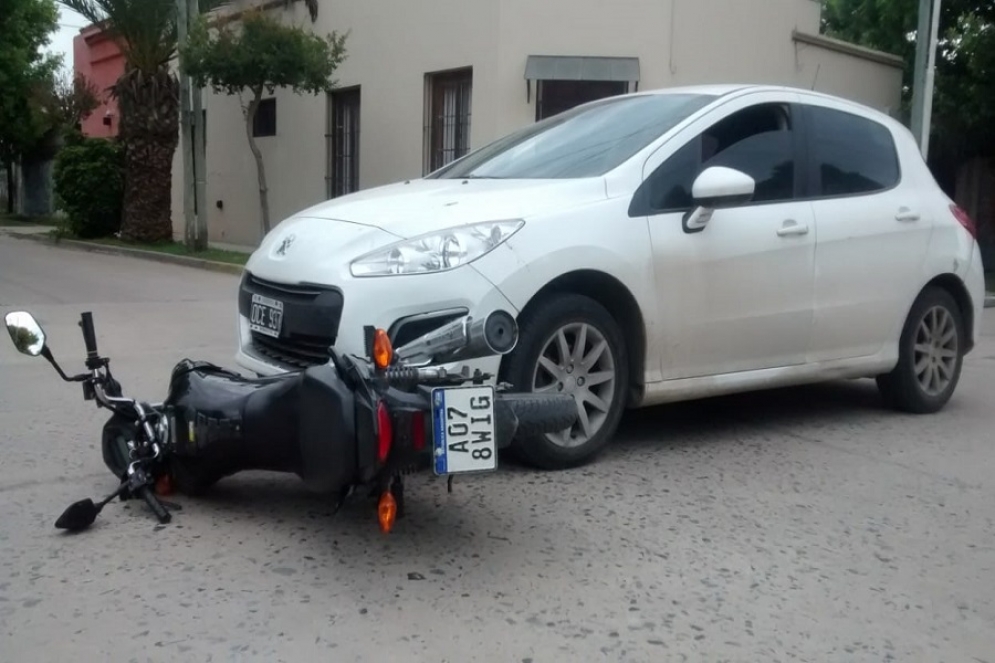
x=317, y=244
x=416, y=207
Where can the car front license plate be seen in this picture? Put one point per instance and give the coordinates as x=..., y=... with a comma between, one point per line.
x=266, y=316
x=463, y=430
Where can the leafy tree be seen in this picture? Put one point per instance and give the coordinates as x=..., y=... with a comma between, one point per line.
x=964, y=99
x=25, y=27
x=72, y=99
x=262, y=56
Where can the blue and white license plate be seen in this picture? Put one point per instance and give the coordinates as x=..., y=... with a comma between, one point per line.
x=464, y=430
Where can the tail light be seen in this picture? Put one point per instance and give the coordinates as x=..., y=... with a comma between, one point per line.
x=385, y=433
x=418, y=430
x=965, y=220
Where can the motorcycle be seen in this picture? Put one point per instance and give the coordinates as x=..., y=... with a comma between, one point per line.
x=351, y=425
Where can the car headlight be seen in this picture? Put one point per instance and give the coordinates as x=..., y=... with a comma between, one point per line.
x=436, y=252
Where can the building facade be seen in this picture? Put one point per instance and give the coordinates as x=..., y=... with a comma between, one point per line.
x=425, y=81
x=97, y=57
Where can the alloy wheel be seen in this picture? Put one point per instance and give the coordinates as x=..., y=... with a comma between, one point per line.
x=577, y=359
x=935, y=351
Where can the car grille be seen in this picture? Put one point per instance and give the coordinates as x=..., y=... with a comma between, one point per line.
x=310, y=321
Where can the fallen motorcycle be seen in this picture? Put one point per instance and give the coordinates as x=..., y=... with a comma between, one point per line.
x=351, y=426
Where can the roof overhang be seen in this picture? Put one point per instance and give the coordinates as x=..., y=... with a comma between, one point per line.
x=580, y=68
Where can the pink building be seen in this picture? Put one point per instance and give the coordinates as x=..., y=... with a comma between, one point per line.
x=98, y=58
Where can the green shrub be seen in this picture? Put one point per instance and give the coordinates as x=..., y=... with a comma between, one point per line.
x=89, y=182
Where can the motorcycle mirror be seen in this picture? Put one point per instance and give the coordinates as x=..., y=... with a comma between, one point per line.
x=26, y=333
x=79, y=515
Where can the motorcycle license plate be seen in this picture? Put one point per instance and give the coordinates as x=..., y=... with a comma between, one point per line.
x=266, y=316
x=463, y=430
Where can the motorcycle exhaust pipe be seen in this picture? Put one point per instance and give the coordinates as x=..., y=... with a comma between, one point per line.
x=462, y=340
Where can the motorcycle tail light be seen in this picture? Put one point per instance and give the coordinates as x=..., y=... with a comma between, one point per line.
x=418, y=430
x=384, y=432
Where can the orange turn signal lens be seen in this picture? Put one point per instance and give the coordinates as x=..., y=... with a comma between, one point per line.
x=383, y=351
x=387, y=512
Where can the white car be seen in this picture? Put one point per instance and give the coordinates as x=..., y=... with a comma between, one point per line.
x=655, y=247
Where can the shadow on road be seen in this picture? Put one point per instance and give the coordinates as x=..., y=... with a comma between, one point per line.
x=667, y=425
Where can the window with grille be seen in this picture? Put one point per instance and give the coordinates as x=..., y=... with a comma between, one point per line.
x=449, y=95
x=343, y=142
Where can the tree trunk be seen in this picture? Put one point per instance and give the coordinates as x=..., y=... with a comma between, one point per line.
x=250, y=117
x=149, y=106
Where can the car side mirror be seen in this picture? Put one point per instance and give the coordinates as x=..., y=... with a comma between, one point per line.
x=713, y=189
x=26, y=333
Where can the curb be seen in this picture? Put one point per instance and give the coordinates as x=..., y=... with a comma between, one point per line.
x=155, y=256
x=990, y=300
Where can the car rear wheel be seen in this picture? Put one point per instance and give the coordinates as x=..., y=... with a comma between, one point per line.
x=570, y=344
x=931, y=355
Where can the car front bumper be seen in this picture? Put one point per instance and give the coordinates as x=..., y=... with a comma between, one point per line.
x=317, y=316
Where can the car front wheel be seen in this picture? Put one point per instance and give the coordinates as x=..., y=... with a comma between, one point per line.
x=931, y=354
x=570, y=344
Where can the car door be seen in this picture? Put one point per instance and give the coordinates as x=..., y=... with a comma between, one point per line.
x=736, y=296
x=874, y=232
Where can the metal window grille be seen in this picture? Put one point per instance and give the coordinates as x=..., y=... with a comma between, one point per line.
x=343, y=142
x=449, y=113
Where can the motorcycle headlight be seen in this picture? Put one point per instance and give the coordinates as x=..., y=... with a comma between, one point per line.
x=436, y=252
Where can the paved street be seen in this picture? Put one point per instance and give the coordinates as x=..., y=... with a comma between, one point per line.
x=800, y=525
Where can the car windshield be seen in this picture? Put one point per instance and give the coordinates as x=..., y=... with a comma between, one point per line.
x=586, y=141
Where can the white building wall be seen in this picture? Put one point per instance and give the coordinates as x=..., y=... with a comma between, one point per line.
x=393, y=44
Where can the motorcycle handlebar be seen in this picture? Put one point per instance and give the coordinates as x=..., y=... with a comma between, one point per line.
x=155, y=505
x=89, y=336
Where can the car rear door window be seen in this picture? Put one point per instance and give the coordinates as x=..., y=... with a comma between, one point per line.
x=851, y=155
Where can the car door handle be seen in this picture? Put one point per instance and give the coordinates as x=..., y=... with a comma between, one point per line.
x=905, y=214
x=791, y=228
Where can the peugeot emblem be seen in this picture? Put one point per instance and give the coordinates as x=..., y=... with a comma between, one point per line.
x=285, y=245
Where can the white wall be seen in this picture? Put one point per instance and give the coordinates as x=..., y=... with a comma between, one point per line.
x=394, y=43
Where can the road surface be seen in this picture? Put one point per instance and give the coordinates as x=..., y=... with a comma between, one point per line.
x=798, y=525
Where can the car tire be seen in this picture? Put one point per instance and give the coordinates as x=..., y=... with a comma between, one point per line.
x=531, y=368
x=930, y=355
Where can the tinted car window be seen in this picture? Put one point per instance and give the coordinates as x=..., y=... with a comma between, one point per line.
x=852, y=155
x=768, y=158
x=757, y=141
x=586, y=141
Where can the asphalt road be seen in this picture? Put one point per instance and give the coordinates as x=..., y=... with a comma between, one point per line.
x=798, y=525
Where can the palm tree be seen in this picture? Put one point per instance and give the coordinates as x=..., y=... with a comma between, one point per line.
x=148, y=99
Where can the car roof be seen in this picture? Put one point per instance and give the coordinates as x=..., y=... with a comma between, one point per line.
x=729, y=89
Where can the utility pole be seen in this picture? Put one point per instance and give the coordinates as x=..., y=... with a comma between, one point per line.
x=186, y=129
x=927, y=39
x=192, y=141
x=199, y=134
